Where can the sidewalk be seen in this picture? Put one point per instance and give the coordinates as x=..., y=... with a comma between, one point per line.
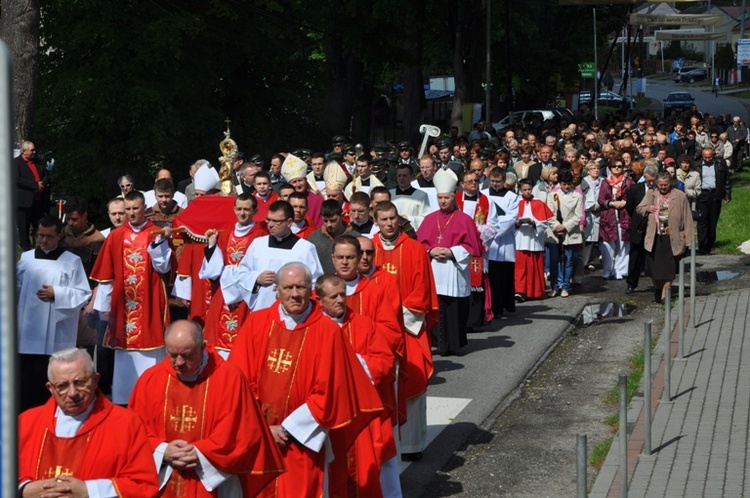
x=700, y=438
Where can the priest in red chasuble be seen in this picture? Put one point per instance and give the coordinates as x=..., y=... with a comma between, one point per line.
x=308, y=381
x=131, y=269
x=79, y=443
x=359, y=474
x=451, y=240
x=407, y=259
x=225, y=250
x=207, y=432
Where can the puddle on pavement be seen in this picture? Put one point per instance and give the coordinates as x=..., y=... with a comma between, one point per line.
x=593, y=314
x=709, y=277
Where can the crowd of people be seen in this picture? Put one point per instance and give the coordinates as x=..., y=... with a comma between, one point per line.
x=273, y=332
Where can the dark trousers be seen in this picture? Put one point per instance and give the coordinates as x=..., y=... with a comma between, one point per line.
x=33, y=380
x=635, y=264
x=709, y=209
x=502, y=286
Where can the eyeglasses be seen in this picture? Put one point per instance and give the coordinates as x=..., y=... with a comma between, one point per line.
x=342, y=257
x=126, y=185
x=80, y=384
x=616, y=166
x=271, y=220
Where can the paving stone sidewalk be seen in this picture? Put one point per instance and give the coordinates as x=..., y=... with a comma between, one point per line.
x=700, y=437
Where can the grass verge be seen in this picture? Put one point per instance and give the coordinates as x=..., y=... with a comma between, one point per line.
x=733, y=228
x=635, y=362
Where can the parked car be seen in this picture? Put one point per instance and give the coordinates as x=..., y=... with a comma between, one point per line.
x=607, y=99
x=693, y=75
x=678, y=72
x=677, y=101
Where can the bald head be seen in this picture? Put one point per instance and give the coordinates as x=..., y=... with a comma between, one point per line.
x=164, y=174
x=184, y=343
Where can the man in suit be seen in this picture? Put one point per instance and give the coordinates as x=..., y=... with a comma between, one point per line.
x=637, y=252
x=715, y=188
x=31, y=180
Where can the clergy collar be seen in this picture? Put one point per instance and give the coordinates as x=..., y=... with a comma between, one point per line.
x=351, y=285
x=286, y=242
x=264, y=197
x=499, y=193
x=291, y=321
x=318, y=178
x=372, y=270
x=389, y=243
x=201, y=368
x=365, y=181
x=364, y=228
x=468, y=197
x=67, y=426
x=340, y=320
x=425, y=183
x=242, y=230
x=300, y=225
x=137, y=228
x=52, y=254
x=407, y=191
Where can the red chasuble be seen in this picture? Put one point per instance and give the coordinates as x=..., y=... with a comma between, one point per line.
x=201, y=290
x=409, y=263
x=359, y=474
x=312, y=364
x=223, y=321
x=308, y=229
x=139, y=310
x=111, y=444
x=217, y=414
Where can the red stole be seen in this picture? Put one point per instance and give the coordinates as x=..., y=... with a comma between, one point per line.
x=539, y=210
x=60, y=456
x=277, y=376
x=184, y=418
x=482, y=209
x=35, y=172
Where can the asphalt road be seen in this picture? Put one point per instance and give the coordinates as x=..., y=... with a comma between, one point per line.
x=704, y=99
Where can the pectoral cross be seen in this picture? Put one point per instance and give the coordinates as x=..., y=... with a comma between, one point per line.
x=390, y=268
x=58, y=471
x=183, y=419
x=440, y=238
x=279, y=361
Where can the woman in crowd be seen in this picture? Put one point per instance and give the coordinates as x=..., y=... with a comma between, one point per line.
x=614, y=222
x=728, y=149
x=547, y=181
x=502, y=161
x=690, y=178
x=668, y=234
x=564, y=237
x=591, y=186
x=522, y=166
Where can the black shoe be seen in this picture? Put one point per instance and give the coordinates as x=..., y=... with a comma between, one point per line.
x=630, y=290
x=411, y=457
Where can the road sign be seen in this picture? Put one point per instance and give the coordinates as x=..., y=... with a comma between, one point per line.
x=587, y=70
x=743, y=52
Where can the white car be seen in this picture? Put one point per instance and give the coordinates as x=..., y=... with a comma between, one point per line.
x=523, y=118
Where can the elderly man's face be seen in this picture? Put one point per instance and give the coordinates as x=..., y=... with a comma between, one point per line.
x=72, y=385
x=708, y=156
x=29, y=153
x=185, y=355
x=333, y=302
x=299, y=184
x=294, y=290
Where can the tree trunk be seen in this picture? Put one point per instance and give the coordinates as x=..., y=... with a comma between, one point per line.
x=19, y=29
x=413, y=78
